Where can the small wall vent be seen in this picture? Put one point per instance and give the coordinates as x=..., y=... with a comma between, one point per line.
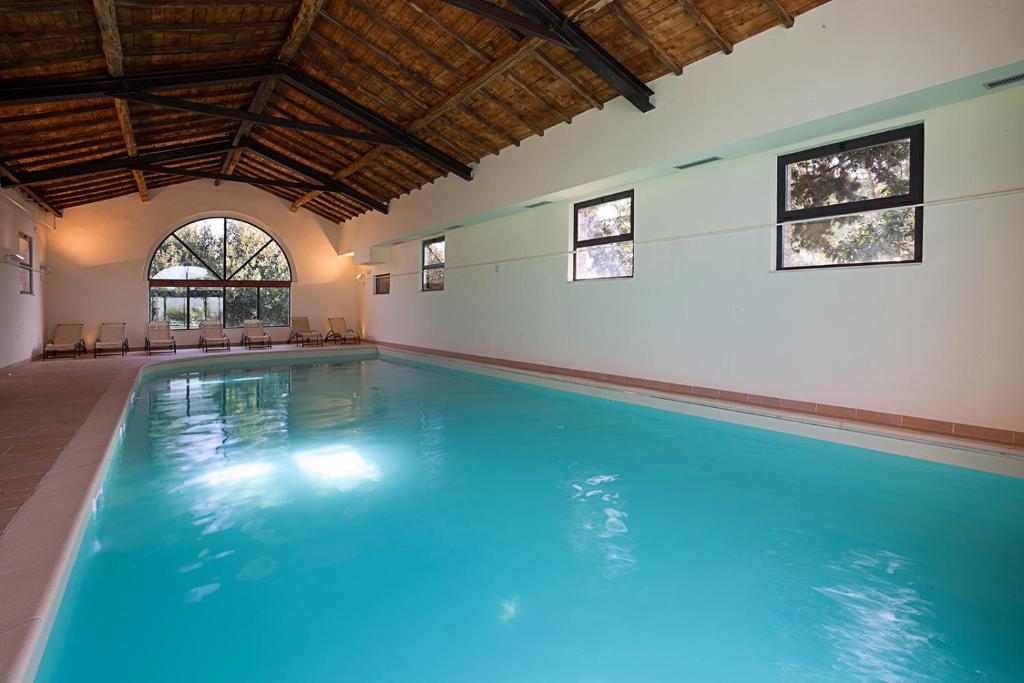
x=991, y=85
x=536, y=204
x=451, y=227
x=699, y=162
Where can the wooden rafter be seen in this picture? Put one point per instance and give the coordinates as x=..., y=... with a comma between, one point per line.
x=408, y=38
x=785, y=18
x=698, y=17
x=633, y=25
x=113, y=53
x=567, y=79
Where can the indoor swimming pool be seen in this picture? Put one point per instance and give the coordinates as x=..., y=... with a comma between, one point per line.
x=377, y=521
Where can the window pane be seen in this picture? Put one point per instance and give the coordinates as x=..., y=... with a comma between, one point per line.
x=25, y=280
x=269, y=264
x=172, y=261
x=605, y=260
x=433, y=253
x=878, y=236
x=604, y=220
x=382, y=284
x=243, y=241
x=433, y=278
x=168, y=303
x=868, y=173
x=275, y=306
x=205, y=303
x=25, y=249
x=206, y=239
x=239, y=305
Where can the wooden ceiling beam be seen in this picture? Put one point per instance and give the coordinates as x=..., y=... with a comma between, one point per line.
x=409, y=73
x=409, y=38
x=568, y=79
x=698, y=17
x=369, y=119
x=450, y=31
x=99, y=166
x=227, y=27
x=261, y=119
x=324, y=179
x=64, y=91
x=644, y=37
x=113, y=53
x=785, y=18
x=543, y=101
x=36, y=197
x=510, y=112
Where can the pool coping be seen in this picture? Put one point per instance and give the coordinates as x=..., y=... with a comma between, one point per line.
x=38, y=549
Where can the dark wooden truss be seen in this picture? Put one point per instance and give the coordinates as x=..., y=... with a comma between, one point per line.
x=337, y=106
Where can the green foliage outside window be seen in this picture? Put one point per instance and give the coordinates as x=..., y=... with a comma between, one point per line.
x=210, y=264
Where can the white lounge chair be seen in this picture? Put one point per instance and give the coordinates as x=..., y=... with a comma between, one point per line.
x=67, y=338
x=303, y=334
x=159, y=338
x=253, y=334
x=211, y=334
x=340, y=332
x=112, y=338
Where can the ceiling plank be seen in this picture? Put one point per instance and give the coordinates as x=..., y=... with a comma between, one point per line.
x=113, y=53
x=513, y=20
x=568, y=79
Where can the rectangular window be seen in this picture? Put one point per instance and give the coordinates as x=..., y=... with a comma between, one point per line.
x=852, y=203
x=25, y=271
x=382, y=283
x=433, y=265
x=602, y=237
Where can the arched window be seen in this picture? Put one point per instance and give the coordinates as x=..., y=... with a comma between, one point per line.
x=219, y=269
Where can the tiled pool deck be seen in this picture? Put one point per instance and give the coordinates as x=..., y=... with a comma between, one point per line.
x=58, y=419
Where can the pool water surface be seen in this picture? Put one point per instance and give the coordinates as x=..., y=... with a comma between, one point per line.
x=373, y=521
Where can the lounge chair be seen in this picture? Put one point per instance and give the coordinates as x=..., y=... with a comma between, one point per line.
x=340, y=332
x=253, y=334
x=112, y=338
x=303, y=334
x=67, y=338
x=211, y=333
x=159, y=338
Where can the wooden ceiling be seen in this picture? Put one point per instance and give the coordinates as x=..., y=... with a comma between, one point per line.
x=336, y=106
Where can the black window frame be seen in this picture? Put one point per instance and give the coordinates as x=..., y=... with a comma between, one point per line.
x=915, y=197
x=224, y=282
x=578, y=244
x=377, y=279
x=424, y=266
x=28, y=264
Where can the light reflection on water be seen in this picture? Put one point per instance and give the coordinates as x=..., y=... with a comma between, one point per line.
x=600, y=526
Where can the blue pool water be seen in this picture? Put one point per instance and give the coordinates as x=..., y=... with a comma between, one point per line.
x=380, y=522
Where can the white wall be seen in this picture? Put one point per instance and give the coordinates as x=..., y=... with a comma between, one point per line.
x=21, y=315
x=844, y=64
x=942, y=339
x=100, y=254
